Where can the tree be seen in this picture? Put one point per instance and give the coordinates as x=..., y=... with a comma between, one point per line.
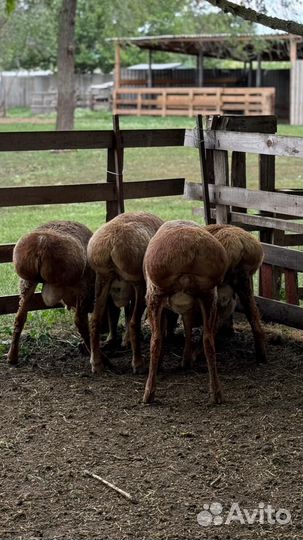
x=66, y=66
x=259, y=15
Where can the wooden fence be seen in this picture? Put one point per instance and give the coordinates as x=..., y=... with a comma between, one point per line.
x=230, y=203
x=278, y=213
x=113, y=191
x=193, y=101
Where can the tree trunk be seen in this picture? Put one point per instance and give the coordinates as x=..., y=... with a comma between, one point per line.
x=292, y=27
x=66, y=66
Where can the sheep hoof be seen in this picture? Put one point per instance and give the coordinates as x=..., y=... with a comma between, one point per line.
x=139, y=370
x=12, y=360
x=148, y=396
x=217, y=397
x=138, y=366
x=83, y=350
x=108, y=343
x=97, y=369
x=186, y=364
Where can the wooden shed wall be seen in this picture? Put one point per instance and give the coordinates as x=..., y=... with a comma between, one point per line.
x=296, y=98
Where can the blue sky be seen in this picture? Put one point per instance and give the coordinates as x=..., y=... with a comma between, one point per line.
x=276, y=8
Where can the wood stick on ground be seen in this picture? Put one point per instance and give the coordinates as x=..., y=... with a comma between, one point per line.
x=112, y=486
x=216, y=480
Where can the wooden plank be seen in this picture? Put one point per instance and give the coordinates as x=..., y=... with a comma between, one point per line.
x=291, y=287
x=88, y=192
x=266, y=280
x=24, y=141
x=248, y=92
x=292, y=240
x=111, y=205
x=154, y=188
x=238, y=174
x=271, y=202
x=238, y=123
x=6, y=252
x=137, y=138
x=133, y=190
x=253, y=143
x=267, y=222
x=221, y=179
x=283, y=257
x=73, y=193
x=280, y=312
x=9, y=304
x=267, y=182
x=55, y=140
x=119, y=160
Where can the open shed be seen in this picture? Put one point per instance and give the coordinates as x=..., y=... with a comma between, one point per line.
x=247, y=90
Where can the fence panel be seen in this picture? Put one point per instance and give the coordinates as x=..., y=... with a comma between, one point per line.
x=226, y=198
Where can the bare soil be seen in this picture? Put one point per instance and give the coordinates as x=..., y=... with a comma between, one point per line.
x=173, y=457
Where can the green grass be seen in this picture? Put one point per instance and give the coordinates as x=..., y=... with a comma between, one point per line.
x=89, y=166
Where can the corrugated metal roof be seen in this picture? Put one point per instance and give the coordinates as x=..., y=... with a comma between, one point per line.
x=154, y=66
x=269, y=47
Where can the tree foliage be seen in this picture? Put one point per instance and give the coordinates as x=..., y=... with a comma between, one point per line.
x=29, y=28
x=28, y=37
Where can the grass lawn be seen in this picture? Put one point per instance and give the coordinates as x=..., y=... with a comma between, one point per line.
x=86, y=166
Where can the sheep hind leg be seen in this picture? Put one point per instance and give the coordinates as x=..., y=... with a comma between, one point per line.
x=208, y=304
x=244, y=289
x=81, y=322
x=113, y=315
x=27, y=289
x=135, y=329
x=187, y=360
x=126, y=339
x=97, y=358
x=155, y=308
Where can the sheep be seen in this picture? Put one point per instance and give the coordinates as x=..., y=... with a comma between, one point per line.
x=245, y=254
x=54, y=254
x=116, y=252
x=183, y=264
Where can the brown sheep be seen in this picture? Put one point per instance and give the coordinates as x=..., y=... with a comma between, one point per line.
x=54, y=254
x=116, y=253
x=245, y=254
x=183, y=264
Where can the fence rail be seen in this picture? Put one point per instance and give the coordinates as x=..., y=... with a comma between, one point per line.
x=192, y=101
x=278, y=203
x=230, y=203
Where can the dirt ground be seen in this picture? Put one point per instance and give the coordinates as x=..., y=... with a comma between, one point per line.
x=173, y=457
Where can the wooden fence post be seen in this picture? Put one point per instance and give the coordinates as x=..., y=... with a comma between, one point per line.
x=221, y=179
x=203, y=169
x=267, y=182
x=119, y=162
x=291, y=287
x=115, y=159
x=238, y=174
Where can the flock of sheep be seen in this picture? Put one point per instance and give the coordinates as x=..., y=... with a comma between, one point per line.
x=136, y=261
